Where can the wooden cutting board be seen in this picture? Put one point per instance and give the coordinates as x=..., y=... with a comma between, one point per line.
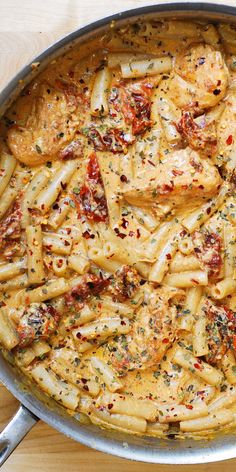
x=27, y=27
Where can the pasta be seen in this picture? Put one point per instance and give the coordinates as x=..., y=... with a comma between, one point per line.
x=130, y=70
x=34, y=254
x=99, y=105
x=117, y=229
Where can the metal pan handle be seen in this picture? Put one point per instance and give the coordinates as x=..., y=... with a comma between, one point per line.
x=15, y=431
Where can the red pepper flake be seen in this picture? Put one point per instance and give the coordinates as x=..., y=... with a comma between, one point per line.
x=197, y=366
x=183, y=233
x=168, y=256
x=91, y=200
x=109, y=406
x=124, y=223
x=88, y=235
x=119, y=234
x=131, y=233
x=208, y=210
x=138, y=234
x=165, y=341
x=195, y=281
x=176, y=172
x=229, y=140
x=123, y=178
x=151, y=163
x=190, y=407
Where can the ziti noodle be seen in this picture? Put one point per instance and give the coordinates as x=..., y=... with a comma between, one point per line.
x=117, y=229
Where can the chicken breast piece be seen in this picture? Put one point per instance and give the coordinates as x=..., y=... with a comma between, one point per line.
x=51, y=125
x=179, y=177
x=152, y=333
x=200, y=77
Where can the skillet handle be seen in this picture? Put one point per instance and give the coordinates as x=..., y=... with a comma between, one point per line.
x=15, y=431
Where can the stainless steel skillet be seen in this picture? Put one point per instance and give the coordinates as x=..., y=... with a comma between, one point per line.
x=35, y=404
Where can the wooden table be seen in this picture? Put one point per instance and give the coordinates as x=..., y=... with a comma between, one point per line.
x=26, y=28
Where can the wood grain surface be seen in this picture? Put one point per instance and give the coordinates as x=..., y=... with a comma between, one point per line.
x=27, y=27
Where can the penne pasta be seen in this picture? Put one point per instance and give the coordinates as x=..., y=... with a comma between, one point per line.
x=20, y=281
x=146, y=67
x=182, y=263
x=64, y=392
x=187, y=279
x=48, y=196
x=115, y=59
x=212, y=421
x=105, y=327
x=230, y=250
x=125, y=405
x=10, y=270
x=8, y=335
x=197, y=367
x=201, y=215
x=58, y=214
x=99, y=101
x=172, y=412
x=200, y=341
x=228, y=363
x=167, y=252
x=59, y=361
x=107, y=374
x=146, y=218
x=50, y=289
x=10, y=195
x=152, y=244
x=111, y=181
x=168, y=119
x=186, y=319
x=36, y=274
x=185, y=245
x=223, y=401
x=59, y=266
x=122, y=422
x=7, y=167
x=57, y=243
x=98, y=257
x=223, y=288
x=35, y=186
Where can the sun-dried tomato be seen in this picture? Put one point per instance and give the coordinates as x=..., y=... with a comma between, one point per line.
x=198, y=135
x=207, y=247
x=10, y=227
x=91, y=199
x=135, y=103
x=38, y=321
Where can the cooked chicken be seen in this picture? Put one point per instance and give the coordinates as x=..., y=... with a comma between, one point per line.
x=152, y=332
x=180, y=176
x=200, y=77
x=50, y=127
